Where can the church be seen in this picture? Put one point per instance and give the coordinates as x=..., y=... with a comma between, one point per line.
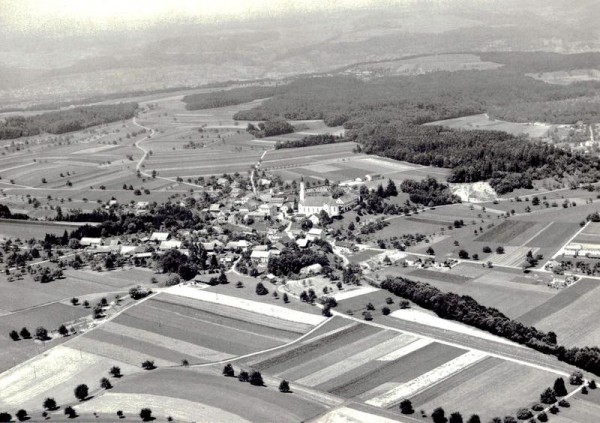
x=314, y=203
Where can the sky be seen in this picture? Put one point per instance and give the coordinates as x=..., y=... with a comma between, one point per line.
x=93, y=15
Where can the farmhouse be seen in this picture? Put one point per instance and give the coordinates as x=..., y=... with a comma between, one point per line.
x=169, y=245
x=323, y=201
x=261, y=257
x=160, y=236
x=315, y=233
x=86, y=242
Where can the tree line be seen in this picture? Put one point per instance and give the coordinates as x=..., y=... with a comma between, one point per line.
x=465, y=309
x=225, y=98
x=62, y=121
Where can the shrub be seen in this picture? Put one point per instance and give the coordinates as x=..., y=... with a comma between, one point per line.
x=105, y=383
x=284, y=386
x=115, y=371
x=524, y=414
x=81, y=392
x=537, y=407
x=576, y=378
x=70, y=411
x=148, y=365
x=406, y=407
x=22, y=415
x=256, y=378
x=564, y=403
x=146, y=414
x=548, y=396
x=50, y=404
x=554, y=409
x=261, y=290
x=41, y=333
x=543, y=417
x=559, y=387
x=243, y=376
x=228, y=371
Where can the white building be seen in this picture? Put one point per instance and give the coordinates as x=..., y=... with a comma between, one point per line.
x=315, y=203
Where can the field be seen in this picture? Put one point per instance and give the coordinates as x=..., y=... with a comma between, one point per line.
x=476, y=389
x=338, y=162
x=483, y=121
x=204, y=395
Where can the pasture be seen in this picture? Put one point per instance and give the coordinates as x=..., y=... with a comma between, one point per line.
x=484, y=122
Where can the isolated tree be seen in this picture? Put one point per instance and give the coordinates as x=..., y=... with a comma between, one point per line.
x=63, y=330
x=5, y=417
x=487, y=249
x=463, y=254
x=120, y=414
x=146, y=414
x=284, y=386
x=500, y=250
x=548, y=396
x=474, y=419
x=406, y=407
x=25, y=333
x=385, y=310
x=228, y=370
x=41, y=333
x=524, y=414
x=592, y=384
x=22, y=415
x=559, y=387
x=543, y=417
x=50, y=404
x=148, y=365
x=256, y=378
x=509, y=419
x=243, y=376
x=438, y=415
x=74, y=301
x=286, y=299
x=430, y=251
x=86, y=304
x=455, y=417
x=81, y=392
x=14, y=335
x=105, y=383
x=115, y=371
x=70, y=411
x=576, y=378
x=261, y=290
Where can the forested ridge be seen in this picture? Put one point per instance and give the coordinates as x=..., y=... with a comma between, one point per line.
x=62, y=121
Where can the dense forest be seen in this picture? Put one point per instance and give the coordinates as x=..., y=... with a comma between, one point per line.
x=348, y=101
x=62, y=121
x=507, y=161
x=570, y=111
x=309, y=141
x=428, y=192
x=270, y=128
x=465, y=309
x=224, y=98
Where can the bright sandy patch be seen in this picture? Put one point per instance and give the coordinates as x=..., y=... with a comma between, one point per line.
x=428, y=319
x=407, y=349
x=166, y=342
x=350, y=415
x=179, y=409
x=248, y=305
x=42, y=374
x=351, y=293
x=356, y=360
x=475, y=192
x=427, y=380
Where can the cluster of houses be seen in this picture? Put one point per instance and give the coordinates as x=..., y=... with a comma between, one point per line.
x=582, y=250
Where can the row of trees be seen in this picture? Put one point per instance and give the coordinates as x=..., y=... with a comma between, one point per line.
x=465, y=309
x=270, y=128
x=225, y=98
